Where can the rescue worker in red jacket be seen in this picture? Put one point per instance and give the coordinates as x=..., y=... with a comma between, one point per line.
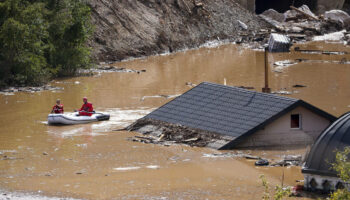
x=86, y=109
x=58, y=108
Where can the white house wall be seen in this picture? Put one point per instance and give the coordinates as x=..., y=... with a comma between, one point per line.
x=279, y=133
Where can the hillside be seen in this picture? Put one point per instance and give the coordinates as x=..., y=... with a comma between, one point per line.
x=136, y=28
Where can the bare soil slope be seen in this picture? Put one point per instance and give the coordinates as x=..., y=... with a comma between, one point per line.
x=133, y=28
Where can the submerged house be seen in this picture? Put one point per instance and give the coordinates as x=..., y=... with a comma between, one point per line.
x=317, y=170
x=246, y=118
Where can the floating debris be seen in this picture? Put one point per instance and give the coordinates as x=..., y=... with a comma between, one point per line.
x=246, y=87
x=289, y=160
x=13, y=90
x=109, y=69
x=153, y=166
x=231, y=155
x=160, y=96
x=307, y=51
x=299, y=86
x=282, y=92
x=262, y=162
x=126, y=168
x=279, y=43
x=190, y=84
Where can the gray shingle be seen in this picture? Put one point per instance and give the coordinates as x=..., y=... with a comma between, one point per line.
x=222, y=109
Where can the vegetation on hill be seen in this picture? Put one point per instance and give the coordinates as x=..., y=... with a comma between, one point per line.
x=41, y=39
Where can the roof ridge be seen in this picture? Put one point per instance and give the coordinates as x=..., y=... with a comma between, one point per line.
x=248, y=91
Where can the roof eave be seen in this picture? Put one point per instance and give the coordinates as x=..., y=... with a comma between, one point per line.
x=319, y=172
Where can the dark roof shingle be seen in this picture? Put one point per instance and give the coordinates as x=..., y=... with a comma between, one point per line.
x=224, y=109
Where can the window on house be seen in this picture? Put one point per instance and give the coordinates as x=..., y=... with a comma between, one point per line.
x=295, y=121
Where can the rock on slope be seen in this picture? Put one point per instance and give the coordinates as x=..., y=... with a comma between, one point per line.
x=133, y=28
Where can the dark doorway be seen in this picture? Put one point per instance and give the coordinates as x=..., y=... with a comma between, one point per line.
x=281, y=6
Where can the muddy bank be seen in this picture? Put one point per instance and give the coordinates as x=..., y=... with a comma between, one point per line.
x=127, y=29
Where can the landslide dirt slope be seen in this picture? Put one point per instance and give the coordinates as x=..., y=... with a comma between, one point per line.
x=132, y=28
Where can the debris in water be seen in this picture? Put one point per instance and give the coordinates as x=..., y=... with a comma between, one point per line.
x=190, y=84
x=279, y=43
x=231, y=155
x=109, y=69
x=320, y=51
x=285, y=63
x=157, y=132
x=153, y=166
x=12, y=90
x=289, y=160
x=126, y=168
x=246, y=87
x=262, y=162
x=160, y=96
x=282, y=92
x=299, y=86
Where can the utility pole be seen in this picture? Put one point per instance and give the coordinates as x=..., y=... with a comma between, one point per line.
x=266, y=89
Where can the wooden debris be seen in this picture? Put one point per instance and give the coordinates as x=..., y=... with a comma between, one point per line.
x=191, y=140
x=304, y=13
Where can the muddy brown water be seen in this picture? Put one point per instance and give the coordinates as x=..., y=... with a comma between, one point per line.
x=93, y=162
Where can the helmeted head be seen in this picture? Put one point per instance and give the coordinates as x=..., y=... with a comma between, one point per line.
x=85, y=99
x=58, y=101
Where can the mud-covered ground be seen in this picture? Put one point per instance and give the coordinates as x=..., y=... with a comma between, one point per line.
x=125, y=29
x=128, y=29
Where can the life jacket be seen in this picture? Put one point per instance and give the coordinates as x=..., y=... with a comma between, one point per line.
x=58, y=109
x=86, y=109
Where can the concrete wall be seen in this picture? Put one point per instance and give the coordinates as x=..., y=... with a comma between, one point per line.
x=279, y=132
x=319, y=182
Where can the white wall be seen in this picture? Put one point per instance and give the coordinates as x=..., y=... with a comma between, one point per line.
x=279, y=133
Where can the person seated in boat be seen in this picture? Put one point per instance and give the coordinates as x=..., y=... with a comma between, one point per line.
x=58, y=108
x=86, y=109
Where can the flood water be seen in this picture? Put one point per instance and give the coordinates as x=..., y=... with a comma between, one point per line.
x=92, y=161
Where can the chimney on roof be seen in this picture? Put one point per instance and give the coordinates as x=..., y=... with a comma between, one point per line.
x=266, y=89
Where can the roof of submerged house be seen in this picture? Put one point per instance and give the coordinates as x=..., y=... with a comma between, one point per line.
x=228, y=110
x=323, y=152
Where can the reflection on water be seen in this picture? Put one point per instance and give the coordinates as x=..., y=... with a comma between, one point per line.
x=92, y=161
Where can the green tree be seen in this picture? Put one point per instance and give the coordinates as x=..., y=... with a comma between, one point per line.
x=69, y=30
x=342, y=166
x=42, y=39
x=22, y=36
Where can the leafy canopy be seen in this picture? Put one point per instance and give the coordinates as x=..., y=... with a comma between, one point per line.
x=41, y=39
